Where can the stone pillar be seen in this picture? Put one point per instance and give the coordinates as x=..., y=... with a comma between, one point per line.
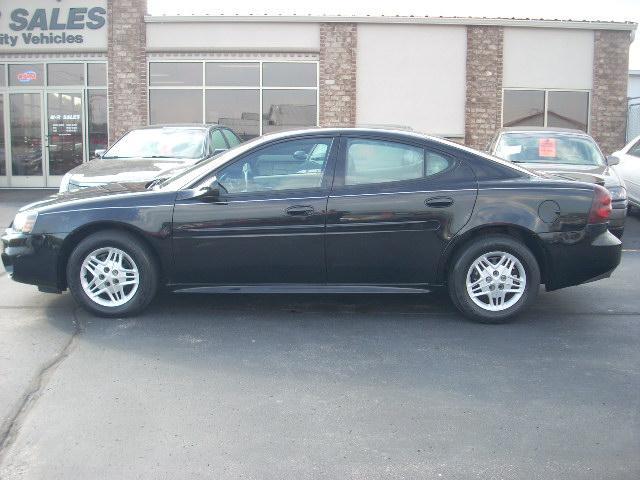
x=609, y=94
x=483, y=107
x=127, y=59
x=338, y=43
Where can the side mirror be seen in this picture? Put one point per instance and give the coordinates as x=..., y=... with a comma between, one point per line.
x=99, y=152
x=211, y=192
x=612, y=160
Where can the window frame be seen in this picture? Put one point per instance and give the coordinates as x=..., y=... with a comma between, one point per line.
x=260, y=87
x=341, y=163
x=546, y=102
x=323, y=189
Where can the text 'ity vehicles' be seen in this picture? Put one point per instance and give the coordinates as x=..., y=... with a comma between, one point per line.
x=322, y=210
x=143, y=154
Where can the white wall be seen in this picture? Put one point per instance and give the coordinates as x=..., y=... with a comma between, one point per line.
x=548, y=58
x=412, y=75
x=255, y=37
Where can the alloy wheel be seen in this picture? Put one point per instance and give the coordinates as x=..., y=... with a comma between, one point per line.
x=496, y=281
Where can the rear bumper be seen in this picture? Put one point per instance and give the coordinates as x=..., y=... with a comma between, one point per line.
x=32, y=259
x=573, y=261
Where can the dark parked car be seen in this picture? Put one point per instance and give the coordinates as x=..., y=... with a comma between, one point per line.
x=565, y=153
x=143, y=154
x=322, y=210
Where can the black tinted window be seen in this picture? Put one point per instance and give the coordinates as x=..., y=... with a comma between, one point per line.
x=286, y=165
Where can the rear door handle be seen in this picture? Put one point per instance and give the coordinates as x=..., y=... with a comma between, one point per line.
x=439, y=202
x=299, y=210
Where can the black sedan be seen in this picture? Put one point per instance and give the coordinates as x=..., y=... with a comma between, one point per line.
x=322, y=210
x=144, y=154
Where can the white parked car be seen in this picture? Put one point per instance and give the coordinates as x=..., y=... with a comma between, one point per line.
x=629, y=169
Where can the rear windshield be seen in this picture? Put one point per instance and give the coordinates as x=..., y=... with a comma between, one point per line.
x=548, y=148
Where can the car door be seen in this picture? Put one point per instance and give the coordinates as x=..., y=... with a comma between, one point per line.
x=268, y=224
x=393, y=208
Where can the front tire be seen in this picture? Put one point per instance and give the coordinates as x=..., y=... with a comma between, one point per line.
x=494, y=278
x=112, y=274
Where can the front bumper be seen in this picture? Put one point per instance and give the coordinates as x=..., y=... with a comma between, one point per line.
x=573, y=261
x=32, y=259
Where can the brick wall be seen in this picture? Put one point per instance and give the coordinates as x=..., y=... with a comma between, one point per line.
x=127, y=66
x=483, y=108
x=338, y=42
x=609, y=94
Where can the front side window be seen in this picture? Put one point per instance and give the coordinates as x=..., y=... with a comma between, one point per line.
x=164, y=142
x=548, y=148
x=377, y=161
x=635, y=150
x=293, y=164
x=217, y=141
x=232, y=138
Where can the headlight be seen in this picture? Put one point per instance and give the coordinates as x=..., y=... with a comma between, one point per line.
x=24, y=221
x=64, y=183
x=618, y=193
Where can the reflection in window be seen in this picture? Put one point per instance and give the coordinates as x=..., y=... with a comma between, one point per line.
x=286, y=165
x=236, y=109
x=230, y=74
x=568, y=110
x=63, y=74
x=175, y=106
x=286, y=74
x=286, y=109
x=523, y=108
x=64, y=127
x=26, y=75
x=97, y=75
x=97, y=122
x=165, y=74
x=375, y=161
x=26, y=136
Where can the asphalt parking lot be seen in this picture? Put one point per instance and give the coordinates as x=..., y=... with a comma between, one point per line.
x=360, y=387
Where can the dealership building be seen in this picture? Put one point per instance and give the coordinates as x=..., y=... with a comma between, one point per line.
x=77, y=74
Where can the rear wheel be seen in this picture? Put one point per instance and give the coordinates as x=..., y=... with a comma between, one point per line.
x=494, y=278
x=111, y=274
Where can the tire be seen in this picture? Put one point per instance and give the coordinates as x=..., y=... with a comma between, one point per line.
x=98, y=253
x=501, y=248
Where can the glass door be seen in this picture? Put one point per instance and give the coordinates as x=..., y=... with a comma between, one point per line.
x=25, y=126
x=4, y=179
x=65, y=138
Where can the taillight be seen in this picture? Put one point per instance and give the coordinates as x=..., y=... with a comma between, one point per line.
x=601, y=205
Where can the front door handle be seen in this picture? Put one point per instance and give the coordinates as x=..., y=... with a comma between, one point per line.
x=439, y=202
x=299, y=210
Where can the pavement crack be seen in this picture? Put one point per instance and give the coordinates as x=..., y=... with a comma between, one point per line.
x=10, y=429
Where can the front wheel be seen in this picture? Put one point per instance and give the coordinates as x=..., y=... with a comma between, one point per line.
x=111, y=274
x=493, y=279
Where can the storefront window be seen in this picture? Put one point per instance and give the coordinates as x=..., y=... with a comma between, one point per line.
x=175, y=106
x=289, y=74
x=566, y=109
x=26, y=134
x=97, y=121
x=233, y=74
x=237, y=109
x=165, y=74
x=64, y=74
x=26, y=75
x=3, y=155
x=2, y=78
x=286, y=109
x=97, y=74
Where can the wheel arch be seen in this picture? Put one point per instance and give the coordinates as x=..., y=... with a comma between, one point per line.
x=522, y=234
x=79, y=234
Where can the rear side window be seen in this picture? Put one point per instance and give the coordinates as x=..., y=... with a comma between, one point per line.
x=232, y=138
x=379, y=161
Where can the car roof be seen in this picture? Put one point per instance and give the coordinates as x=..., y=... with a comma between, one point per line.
x=572, y=131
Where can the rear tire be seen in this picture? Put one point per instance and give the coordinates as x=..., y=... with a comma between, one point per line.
x=492, y=279
x=112, y=274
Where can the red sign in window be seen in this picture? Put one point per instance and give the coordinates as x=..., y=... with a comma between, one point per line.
x=547, y=147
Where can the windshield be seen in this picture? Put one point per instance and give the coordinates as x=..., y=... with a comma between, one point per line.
x=160, y=143
x=544, y=147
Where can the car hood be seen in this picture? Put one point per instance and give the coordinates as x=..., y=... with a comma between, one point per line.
x=598, y=174
x=117, y=194
x=102, y=171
